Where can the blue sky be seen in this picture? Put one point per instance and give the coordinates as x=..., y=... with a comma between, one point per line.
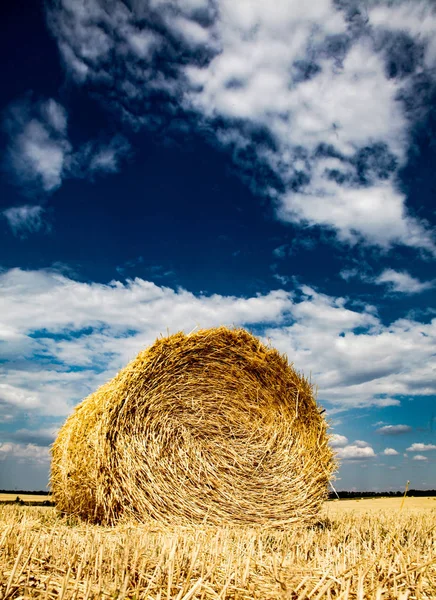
x=171, y=164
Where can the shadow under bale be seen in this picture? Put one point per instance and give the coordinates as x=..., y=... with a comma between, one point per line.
x=209, y=427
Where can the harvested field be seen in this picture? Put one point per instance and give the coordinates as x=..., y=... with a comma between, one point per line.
x=381, y=555
x=25, y=497
x=336, y=508
x=209, y=427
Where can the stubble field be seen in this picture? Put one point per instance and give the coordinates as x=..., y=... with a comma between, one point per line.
x=24, y=497
x=358, y=550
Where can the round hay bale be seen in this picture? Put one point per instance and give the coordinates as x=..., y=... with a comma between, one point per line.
x=209, y=427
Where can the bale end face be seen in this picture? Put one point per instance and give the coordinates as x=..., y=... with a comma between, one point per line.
x=210, y=427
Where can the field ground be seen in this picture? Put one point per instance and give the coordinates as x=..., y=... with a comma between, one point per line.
x=360, y=549
x=332, y=507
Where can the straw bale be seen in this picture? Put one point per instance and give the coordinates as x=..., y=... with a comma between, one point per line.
x=209, y=427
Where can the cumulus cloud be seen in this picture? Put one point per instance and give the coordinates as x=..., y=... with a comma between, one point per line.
x=394, y=429
x=40, y=155
x=361, y=443
x=355, y=359
x=24, y=219
x=307, y=98
x=402, y=282
x=62, y=338
x=420, y=457
x=419, y=447
x=390, y=452
x=336, y=440
x=355, y=452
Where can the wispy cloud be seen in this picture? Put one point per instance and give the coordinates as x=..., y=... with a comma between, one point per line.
x=283, y=279
x=97, y=157
x=40, y=155
x=24, y=219
x=38, y=147
x=348, y=274
x=402, y=282
x=297, y=244
x=394, y=429
x=398, y=282
x=308, y=98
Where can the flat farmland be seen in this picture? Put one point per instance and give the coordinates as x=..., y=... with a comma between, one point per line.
x=377, y=505
x=332, y=507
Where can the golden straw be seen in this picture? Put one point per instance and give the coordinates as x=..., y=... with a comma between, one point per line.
x=209, y=427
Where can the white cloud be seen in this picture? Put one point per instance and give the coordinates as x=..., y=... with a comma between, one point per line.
x=357, y=214
x=394, y=429
x=348, y=274
x=298, y=90
x=390, y=452
x=403, y=282
x=124, y=319
x=55, y=116
x=355, y=452
x=24, y=219
x=336, y=440
x=18, y=397
x=353, y=358
x=24, y=453
x=47, y=389
x=40, y=154
x=37, y=152
x=313, y=112
x=419, y=447
x=360, y=443
x=420, y=457
x=191, y=32
x=283, y=279
x=99, y=157
x=396, y=281
x=417, y=18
